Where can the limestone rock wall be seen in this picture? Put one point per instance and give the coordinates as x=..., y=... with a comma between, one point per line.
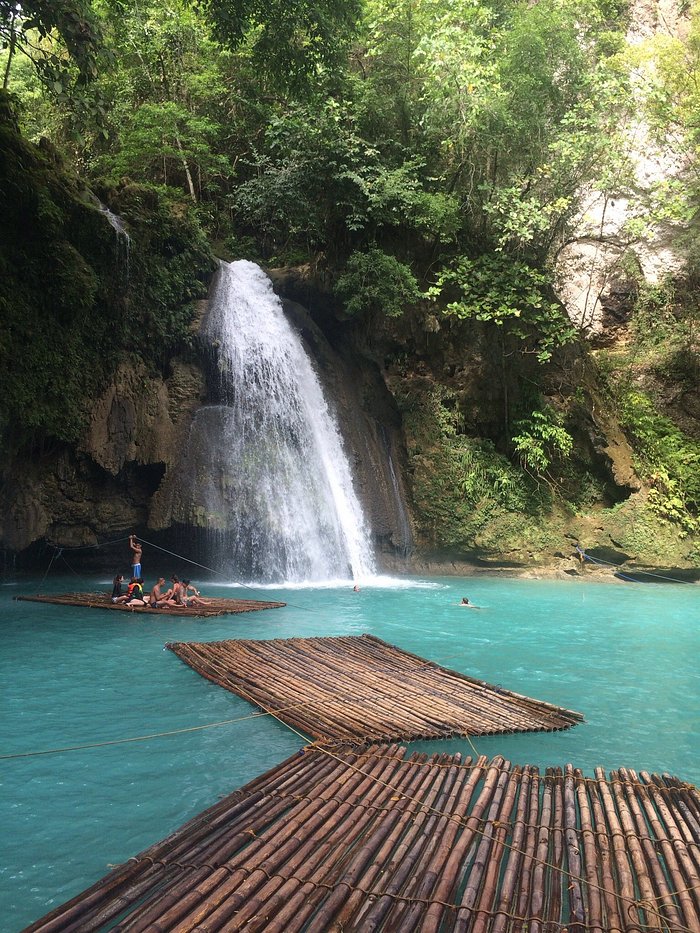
x=603, y=260
x=75, y=497
x=134, y=469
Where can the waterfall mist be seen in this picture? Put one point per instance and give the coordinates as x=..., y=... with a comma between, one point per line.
x=274, y=478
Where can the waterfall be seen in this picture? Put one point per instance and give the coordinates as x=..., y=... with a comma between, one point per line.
x=291, y=511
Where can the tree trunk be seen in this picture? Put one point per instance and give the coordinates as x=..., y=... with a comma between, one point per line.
x=11, y=51
x=188, y=174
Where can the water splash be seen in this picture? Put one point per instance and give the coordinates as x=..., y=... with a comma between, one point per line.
x=291, y=510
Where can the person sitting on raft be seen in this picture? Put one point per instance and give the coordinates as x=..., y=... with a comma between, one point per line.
x=124, y=597
x=134, y=592
x=195, y=599
x=117, y=587
x=176, y=594
x=157, y=599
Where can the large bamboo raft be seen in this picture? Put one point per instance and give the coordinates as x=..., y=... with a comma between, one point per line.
x=214, y=607
x=331, y=841
x=362, y=690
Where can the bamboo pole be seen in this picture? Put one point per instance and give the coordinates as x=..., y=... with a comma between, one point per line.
x=484, y=908
x=361, y=867
x=504, y=906
x=539, y=880
x=418, y=885
x=298, y=897
x=620, y=858
x=554, y=873
x=468, y=839
x=586, y=855
x=641, y=872
x=406, y=853
x=356, y=689
x=467, y=780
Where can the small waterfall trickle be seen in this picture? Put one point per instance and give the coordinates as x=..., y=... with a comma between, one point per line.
x=285, y=501
x=120, y=231
x=404, y=536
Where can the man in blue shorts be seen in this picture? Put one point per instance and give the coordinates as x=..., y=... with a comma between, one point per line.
x=136, y=551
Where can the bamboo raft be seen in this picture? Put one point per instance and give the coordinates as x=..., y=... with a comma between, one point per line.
x=352, y=841
x=360, y=690
x=214, y=607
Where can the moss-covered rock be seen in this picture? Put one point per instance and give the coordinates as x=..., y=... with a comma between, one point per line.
x=75, y=295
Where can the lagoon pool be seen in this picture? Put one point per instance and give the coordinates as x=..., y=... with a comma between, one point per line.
x=626, y=655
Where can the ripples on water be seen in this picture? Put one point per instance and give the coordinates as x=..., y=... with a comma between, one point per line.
x=624, y=655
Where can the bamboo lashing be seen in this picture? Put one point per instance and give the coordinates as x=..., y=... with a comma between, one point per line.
x=359, y=841
x=213, y=607
x=361, y=690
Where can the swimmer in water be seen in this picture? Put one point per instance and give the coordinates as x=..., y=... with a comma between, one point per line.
x=465, y=602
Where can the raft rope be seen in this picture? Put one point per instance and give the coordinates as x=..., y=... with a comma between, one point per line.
x=465, y=822
x=646, y=573
x=136, y=738
x=309, y=746
x=220, y=573
x=58, y=552
x=224, y=722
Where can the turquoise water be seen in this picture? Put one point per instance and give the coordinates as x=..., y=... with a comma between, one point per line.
x=623, y=654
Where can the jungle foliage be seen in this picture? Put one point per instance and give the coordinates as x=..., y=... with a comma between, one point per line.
x=430, y=156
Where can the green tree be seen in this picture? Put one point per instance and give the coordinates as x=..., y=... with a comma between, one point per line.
x=54, y=35
x=510, y=294
x=374, y=282
x=290, y=40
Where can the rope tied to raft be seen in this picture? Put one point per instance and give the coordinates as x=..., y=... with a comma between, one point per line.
x=479, y=826
x=468, y=822
x=58, y=552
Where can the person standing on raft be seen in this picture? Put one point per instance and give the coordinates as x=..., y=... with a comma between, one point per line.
x=136, y=551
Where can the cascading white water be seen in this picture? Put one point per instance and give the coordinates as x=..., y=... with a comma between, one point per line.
x=293, y=512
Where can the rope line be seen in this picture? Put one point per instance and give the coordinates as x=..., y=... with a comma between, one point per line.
x=245, y=586
x=87, y=547
x=135, y=738
x=261, y=713
x=58, y=552
x=466, y=823
x=646, y=573
x=308, y=704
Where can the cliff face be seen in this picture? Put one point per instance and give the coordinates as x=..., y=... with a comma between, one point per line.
x=95, y=316
x=75, y=496
x=136, y=464
x=422, y=432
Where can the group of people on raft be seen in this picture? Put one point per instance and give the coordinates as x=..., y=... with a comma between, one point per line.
x=181, y=593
